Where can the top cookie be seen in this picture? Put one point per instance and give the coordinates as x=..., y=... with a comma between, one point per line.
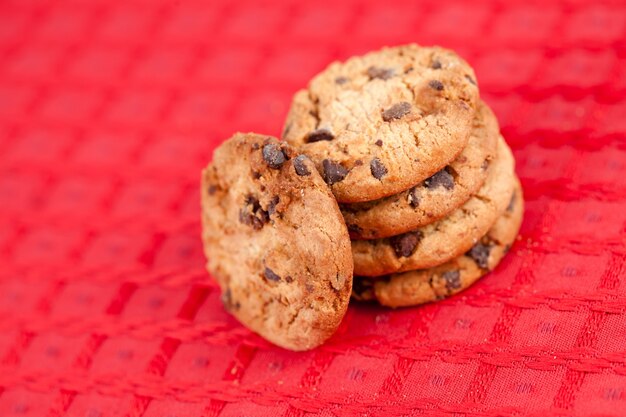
x=276, y=241
x=380, y=123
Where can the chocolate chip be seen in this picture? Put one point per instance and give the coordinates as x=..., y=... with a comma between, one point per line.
x=470, y=79
x=381, y=73
x=273, y=155
x=256, y=174
x=227, y=301
x=436, y=85
x=404, y=245
x=484, y=165
x=318, y=135
x=256, y=146
x=271, y=207
x=333, y=172
x=288, y=279
x=453, y=280
x=358, y=163
x=397, y=111
x=436, y=64
x=440, y=179
x=341, y=80
x=511, y=205
x=212, y=189
x=414, y=199
x=300, y=167
x=480, y=254
x=287, y=129
x=354, y=229
x=252, y=214
x=271, y=275
x=377, y=168
x=379, y=142
x=361, y=286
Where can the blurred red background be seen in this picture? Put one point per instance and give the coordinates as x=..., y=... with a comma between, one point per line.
x=108, y=111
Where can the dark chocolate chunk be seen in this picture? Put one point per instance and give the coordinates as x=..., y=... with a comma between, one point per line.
x=404, y=245
x=377, y=168
x=358, y=163
x=361, y=286
x=287, y=129
x=453, y=280
x=271, y=208
x=440, y=179
x=288, y=279
x=470, y=79
x=212, y=189
x=227, y=301
x=355, y=229
x=379, y=142
x=341, y=80
x=381, y=73
x=273, y=155
x=397, y=111
x=511, y=205
x=480, y=254
x=435, y=85
x=414, y=198
x=271, y=275
x=333, y=172
x=436, y=64
x=252, y=214
x=318, y=135
x=255, y=146
x=300, y=167
x=484, y=165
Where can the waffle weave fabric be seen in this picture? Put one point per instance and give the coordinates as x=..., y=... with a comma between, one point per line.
x=108, y=111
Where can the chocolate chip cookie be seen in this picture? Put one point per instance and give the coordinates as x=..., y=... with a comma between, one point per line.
x=426, y=285
x=447, y=238
x=276, y=241
x=436, y=196
x=378, y=124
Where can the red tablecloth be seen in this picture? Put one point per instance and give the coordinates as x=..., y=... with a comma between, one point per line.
x=108, y=111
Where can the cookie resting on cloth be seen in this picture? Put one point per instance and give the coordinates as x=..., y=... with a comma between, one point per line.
x=435, y=197
x=378, y=124
x=426, y=285
x=275, y=241
x=447, y=238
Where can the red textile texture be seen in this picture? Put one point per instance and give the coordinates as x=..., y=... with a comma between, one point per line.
x=108, y=111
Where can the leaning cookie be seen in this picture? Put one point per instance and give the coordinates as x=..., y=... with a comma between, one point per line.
x=380, y=123
x=426, y=285
x=434, y=198
x=276, y=241
x=439, y=242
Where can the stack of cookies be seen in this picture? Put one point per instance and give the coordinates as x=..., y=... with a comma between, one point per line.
x=425, y=182
x=392, y=183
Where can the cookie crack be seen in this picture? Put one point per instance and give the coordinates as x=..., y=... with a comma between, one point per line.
x=315, y=112
x=408, y=87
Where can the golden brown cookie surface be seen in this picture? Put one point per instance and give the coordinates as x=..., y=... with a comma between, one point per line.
x=426, y=285
x=435, y=197
x=380, y=123
x=276, y=241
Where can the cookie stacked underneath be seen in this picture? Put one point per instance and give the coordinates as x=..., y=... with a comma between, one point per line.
x=425, y=181
x=428, y=197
